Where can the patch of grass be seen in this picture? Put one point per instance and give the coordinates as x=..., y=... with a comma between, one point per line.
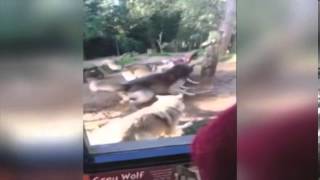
x=160, y=54
x=127, y=58
x=195, y=127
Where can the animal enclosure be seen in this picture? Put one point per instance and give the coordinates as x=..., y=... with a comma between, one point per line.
x=105, y=109
x=154, y=69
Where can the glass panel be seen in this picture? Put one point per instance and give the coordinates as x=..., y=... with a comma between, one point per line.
x=156, y=70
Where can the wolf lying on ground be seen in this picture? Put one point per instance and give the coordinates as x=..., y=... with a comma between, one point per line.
x=92, y=72
x=155, y=121
x=136, y=71
x=168, y=82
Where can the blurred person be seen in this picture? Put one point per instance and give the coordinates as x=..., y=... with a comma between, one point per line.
x=272, y=151
x=215, y=146
x=282, y=149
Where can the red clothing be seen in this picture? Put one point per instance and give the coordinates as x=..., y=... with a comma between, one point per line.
x=214, y=147
x=283, y=148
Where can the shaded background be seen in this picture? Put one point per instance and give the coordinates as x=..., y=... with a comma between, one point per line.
x=114, y=27
x=40, y=92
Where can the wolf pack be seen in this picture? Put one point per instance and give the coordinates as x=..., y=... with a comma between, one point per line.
x=155, y=94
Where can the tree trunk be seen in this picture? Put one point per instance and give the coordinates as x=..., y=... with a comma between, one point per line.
x=215, y=50
x=159, y=42
x=227, y=26
x=210, y=61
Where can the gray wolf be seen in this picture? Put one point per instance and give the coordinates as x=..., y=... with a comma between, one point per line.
x=165, y=83
x=155, y=121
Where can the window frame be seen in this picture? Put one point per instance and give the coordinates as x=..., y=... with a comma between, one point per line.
x=136, y=154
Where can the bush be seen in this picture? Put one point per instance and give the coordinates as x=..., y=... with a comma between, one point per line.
x=127, y=44
x=127, y=58
x=160, y=54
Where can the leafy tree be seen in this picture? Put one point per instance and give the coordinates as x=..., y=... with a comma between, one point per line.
x=136, y=25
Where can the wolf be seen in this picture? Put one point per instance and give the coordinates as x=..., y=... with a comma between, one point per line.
x=163, y=122
x=92, y=72
x=165, y=83
x=155, y=121
x=136, y=71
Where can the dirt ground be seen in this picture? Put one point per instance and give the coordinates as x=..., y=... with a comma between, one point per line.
x=101, y=106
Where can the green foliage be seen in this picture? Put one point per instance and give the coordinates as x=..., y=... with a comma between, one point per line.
x=135, y=25
x=128, y=44
x=95, y=18
x=201, y=15
x=165, y=22
x=195, y=126
x=160, y=54
x=127, y=58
